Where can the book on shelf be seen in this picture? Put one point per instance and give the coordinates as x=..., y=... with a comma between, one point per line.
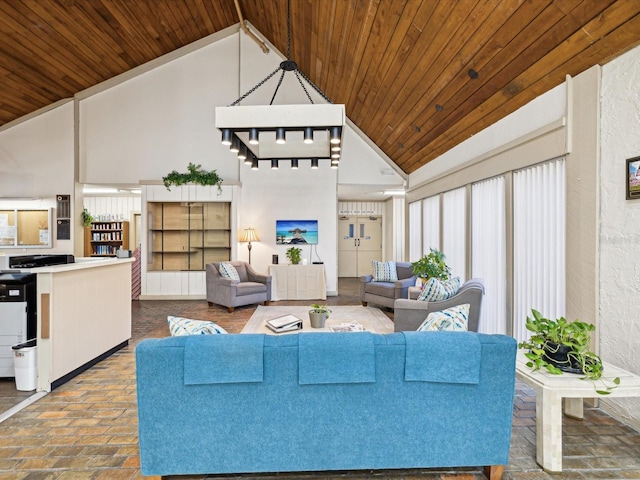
x=286, y=323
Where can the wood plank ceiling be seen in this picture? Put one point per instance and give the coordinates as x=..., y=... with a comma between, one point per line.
x=418, y=77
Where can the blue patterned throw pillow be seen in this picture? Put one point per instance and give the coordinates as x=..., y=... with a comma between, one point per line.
x=229, y=271
x=454, y=319
x=384, y=271
x=179, y=326
x=435, y=290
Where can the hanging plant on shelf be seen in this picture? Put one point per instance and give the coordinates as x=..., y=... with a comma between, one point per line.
x=195, y=175
x=87, y=218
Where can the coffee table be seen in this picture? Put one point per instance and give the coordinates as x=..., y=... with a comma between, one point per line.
x=551, y=390
x=371, y=318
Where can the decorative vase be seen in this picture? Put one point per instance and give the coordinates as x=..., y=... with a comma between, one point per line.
x=317, y=319
x=558, y=356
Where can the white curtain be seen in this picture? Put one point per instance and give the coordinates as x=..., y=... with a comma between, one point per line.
x=538, y=243
x=430, y=224
x=489, y=253
x=454, y=232
x=415, y=231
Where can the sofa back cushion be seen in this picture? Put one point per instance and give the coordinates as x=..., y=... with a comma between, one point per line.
x=404, y=269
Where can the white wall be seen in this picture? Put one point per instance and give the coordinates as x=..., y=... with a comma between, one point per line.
x=37, y=161
x=620, y=225
x=119, y=206
x=161, y=120
x=284, y=194
x=541, y=111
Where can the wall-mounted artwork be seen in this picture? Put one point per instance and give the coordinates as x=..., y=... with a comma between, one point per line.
x=296, y=232
x=633, y=178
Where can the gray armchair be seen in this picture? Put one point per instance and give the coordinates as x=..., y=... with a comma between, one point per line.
x=252, y=287
x=409, y=314
x=385, y=293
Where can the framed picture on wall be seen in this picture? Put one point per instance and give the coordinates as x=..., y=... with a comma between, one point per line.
x=633, y=178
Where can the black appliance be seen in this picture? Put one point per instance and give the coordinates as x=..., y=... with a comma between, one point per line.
x=18, y=315
x=34, y=261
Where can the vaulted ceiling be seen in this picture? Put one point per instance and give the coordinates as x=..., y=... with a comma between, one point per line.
x=417, y=77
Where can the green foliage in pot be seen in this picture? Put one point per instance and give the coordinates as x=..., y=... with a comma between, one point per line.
x=195, y=174
x=294, y=254
x=322, y=309
x=87, y=218
x=550, y=336
x=432, y=265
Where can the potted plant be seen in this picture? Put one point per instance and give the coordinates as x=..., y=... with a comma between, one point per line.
x=561, y=346
x=195, y=174
x=87, y=218
x=432, y=265
x=318, y=315
x=294, y=254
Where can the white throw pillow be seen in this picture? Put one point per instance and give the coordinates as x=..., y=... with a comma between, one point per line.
x=384, y=271
x=435, y=290
x=179, y=326
x=454, y=319
x=229, y=271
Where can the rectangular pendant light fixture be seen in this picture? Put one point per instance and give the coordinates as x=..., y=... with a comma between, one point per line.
x=283, y=131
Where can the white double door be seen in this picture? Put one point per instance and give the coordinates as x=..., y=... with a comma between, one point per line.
x=359, y=242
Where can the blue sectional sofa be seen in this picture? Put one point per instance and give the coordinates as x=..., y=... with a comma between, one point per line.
x=212, y=404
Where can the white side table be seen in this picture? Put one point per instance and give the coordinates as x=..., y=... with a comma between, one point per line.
x=550, y=390
x=298, y=282
x=413, y=293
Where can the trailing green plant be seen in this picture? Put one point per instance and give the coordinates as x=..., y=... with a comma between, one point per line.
x=294, y=254
x=317, y=308
x=549, y=337
x=87, y=218
x=432, y=265
x=195, y=174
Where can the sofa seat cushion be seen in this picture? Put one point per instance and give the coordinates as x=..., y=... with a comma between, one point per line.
x=250, y=288
x=384, y=289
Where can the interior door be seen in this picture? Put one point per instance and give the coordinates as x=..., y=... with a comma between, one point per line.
x=369, y=243
x=359, y=242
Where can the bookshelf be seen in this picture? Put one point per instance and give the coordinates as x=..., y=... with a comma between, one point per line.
x=185, y=236
x=103, y=239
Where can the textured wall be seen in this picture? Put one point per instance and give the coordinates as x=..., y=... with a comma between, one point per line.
x=620, y=226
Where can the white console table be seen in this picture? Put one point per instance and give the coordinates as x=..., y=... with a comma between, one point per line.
x=298, y=282
x=551, y=390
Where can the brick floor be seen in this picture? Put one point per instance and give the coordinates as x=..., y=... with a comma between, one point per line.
x=87, y=428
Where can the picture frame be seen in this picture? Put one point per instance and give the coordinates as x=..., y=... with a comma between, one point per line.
x=296, y=232
x=633, y=178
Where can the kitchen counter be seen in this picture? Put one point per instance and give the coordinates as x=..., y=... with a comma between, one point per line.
x=84, y=315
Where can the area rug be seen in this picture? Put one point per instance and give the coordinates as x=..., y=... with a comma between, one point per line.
x=371, y=318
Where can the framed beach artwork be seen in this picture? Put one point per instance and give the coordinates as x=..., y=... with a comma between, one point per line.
x=633, y=178
x=296, y=232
